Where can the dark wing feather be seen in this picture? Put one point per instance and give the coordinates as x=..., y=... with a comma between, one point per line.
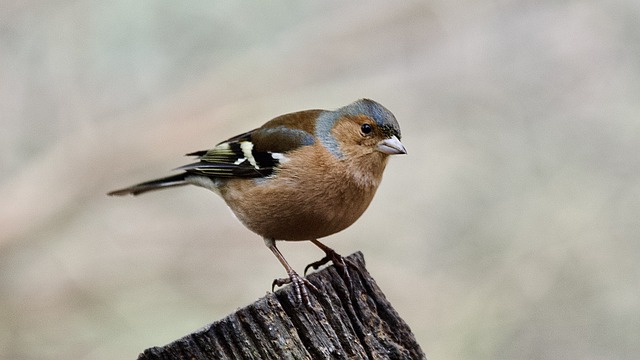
x=253, y=154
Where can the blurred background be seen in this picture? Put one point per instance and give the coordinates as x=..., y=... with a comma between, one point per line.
x=509, y=231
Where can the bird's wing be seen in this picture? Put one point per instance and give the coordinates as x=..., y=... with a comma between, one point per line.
x=258, y=152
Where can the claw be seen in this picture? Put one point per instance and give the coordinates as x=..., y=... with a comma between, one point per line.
x=340, y=263
x=300, y=286
x=316, y=264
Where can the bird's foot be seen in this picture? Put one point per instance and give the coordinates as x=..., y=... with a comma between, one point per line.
x=340, y=262
x=300, y=286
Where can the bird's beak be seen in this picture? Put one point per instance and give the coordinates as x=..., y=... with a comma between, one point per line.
x=391, y=146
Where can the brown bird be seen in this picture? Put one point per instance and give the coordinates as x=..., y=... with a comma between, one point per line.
x=300, y=176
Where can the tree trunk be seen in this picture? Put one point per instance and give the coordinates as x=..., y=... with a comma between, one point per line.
x=340, y=324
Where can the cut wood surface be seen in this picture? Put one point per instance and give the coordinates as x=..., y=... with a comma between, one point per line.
x=341, y=323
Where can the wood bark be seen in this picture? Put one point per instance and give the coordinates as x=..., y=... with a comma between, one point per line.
x=342, y=322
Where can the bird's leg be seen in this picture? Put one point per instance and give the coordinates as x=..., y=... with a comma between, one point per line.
x=330, y=255
x=299, y=283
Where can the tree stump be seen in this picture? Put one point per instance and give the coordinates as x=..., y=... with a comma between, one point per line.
x=342, y=323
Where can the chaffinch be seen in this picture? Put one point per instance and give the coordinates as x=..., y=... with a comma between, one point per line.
x=300, y=176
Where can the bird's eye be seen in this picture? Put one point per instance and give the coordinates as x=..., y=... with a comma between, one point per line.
x=366, y=129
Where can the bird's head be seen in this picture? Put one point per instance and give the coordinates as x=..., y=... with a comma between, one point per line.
x=365, y=127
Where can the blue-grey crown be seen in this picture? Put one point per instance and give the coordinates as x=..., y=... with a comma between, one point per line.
x=381, y=115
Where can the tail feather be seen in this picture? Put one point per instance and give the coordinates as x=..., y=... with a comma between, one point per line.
x=157, y=184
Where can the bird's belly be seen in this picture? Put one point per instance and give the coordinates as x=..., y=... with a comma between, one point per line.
x=286, y=213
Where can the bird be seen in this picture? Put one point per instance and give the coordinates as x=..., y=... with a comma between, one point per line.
x=301, y=176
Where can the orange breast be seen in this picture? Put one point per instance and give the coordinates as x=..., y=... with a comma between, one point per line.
x=302, y=202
